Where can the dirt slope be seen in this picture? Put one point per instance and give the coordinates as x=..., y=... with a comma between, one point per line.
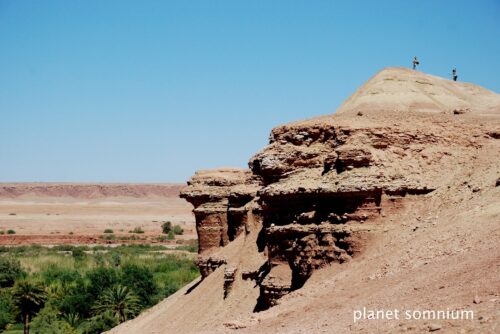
x=391, y=203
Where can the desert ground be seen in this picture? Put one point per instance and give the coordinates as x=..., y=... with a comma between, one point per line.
x=54, y=213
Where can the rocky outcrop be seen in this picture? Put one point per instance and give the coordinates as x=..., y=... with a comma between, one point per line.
x=229, y=277
x=320, y=186
x=209, y=264
x=219, y=198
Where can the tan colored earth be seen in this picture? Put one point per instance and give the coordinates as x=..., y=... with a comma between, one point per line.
x=52, y=213
x=428, y=147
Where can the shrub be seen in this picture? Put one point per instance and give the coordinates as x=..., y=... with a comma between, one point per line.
x=116, y=259
x=78, y=253
x=137, y=230
x=78, y=301
x=99, y=259
x=108, y=230
x=99, y=323
x=11, y=232
x=166, y=227
x=57, y=273
x=73, y=319
x=178, y=230
x=100, y=279
x=192, y=246
x=140, y=280
x=108, y=237
x=171, y=235
x=132, y=237
x=162, y=238
x=7, y=309
x=2, y=232
x=64, y=248
x=10, y=270
x=47, y=322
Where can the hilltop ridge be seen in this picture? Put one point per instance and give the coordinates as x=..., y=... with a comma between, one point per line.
x=403, y=90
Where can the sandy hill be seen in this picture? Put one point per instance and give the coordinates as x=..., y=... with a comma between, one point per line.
x=392, y=203
x=402, y=90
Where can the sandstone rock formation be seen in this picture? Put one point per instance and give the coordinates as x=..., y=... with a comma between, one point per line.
x=220, y=198
x=319, y=181
x=327, y=188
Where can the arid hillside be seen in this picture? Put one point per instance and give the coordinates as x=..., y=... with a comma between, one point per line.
x=390, y=204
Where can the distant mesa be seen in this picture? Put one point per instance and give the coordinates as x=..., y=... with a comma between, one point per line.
x=88, y=191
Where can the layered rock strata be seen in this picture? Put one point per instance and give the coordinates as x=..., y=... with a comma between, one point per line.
x=219, y=198
x=316, y=192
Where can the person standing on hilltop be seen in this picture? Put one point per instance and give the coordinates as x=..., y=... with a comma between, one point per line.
x=415, y=62
x=455, y=75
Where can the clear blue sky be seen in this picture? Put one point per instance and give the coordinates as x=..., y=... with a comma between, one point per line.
x=150, y=91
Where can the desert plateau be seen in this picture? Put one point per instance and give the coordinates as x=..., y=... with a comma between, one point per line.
x=51, y=213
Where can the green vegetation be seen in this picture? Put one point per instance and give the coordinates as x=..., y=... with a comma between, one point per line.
x=11, y=232
x=178, y=230
x=108, y=230
x=122, y=303
x=83, y=289
x=171, y=230
x=166, y=227
x=29, y=298
x=192, y=246
x=10, y=270
x=108, y=237
x=161, y=238
x=137, y=230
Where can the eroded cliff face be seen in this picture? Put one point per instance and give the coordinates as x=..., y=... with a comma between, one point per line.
x=314, y=195
x=220, y=199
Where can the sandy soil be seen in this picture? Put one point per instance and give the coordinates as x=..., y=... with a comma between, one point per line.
x=41, y=217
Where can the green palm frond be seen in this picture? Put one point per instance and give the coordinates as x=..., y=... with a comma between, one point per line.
x=120, y=301
x=73, y=319
x=29, y=296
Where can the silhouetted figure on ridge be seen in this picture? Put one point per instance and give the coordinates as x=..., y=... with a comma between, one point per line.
x=415, y=62
x=455, y=75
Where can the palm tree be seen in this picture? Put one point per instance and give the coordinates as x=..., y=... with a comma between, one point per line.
x=122, y=302
x=29, y=297
x=73, y=319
